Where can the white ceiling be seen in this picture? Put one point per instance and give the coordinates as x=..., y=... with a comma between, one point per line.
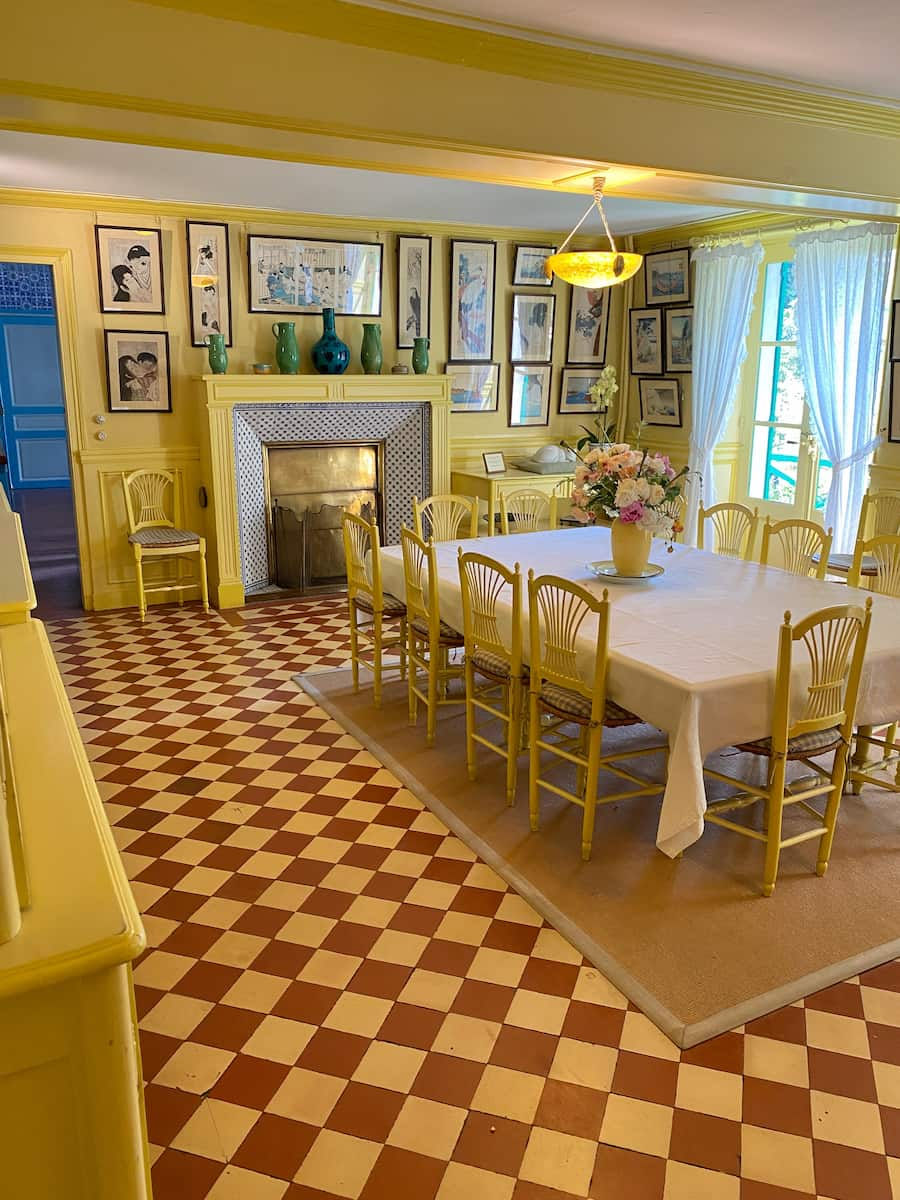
x=152, y=173
x=832, y=44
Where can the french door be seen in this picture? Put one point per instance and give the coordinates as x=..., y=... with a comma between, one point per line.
x=32, y=408
x=782, y=471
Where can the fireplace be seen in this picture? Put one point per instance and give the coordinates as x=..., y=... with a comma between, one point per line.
x=308, y=488
x=408, y=416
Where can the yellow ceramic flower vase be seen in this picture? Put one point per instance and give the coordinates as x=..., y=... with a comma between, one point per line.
x=630, y=547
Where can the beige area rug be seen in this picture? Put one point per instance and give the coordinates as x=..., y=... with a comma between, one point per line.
x=692, y=942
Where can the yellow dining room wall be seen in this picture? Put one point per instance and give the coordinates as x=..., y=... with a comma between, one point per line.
x=61, y=231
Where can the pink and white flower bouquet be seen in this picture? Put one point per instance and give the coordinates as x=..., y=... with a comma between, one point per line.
x=633, y=485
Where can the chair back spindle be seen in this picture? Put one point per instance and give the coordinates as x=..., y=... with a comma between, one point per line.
x=734, y=529
x=804, y=546
x=444, y=518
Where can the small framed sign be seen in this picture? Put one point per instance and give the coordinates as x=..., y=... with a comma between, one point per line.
x=494, y=464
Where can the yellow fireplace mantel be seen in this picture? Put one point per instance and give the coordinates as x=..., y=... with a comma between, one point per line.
x=223, y=393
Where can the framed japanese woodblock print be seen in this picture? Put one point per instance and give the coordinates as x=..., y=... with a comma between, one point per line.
x=679, y=324
x=660, y=401
x=413, y=290
x=531, y=338
x=473, y=267
x=129, y=267
x=588, y=326
x=305, y=275
x=473, y=386
x=528, y=268
x=209, y=280
x=667, y=277
x=137, y=371
x=529, y=400
x=645, y=325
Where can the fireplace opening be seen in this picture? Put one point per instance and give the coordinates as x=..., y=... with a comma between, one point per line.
x=309, y=486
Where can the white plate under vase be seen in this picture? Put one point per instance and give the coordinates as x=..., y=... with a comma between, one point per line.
x=607, y=570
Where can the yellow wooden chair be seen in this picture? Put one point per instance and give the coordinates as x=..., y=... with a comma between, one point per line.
x=835, y=642
x=369, y=605
x=879, y=514
x=154, y=534
x=526, y=510
x=881, y=574
x=567, y=712
x=429, y=639
x=445, y=518
x=804, y=546
x=734, y=529
x=675, y=508
x=497, y=661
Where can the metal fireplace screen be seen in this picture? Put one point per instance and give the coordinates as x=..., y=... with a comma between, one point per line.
x=309, y=487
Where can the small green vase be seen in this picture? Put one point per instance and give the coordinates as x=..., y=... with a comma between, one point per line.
x=371, y=355
x=420, y=355
x=287, y=352
x=218, y=355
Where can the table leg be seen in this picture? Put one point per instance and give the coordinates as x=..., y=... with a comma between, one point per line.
x=860, y=756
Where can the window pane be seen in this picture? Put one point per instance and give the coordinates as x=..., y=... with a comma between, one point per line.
x=771, y=299
x=781, y=469
x=759, y=454
x=787, y=329
x=823, y=483
x=779, y=389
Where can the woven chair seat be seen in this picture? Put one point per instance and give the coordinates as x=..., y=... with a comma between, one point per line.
x=391, y=606
x=578, y=708
x=162, y=535
x=806, y=745
x=448, y=635
x=841, y=563
x=494, y=665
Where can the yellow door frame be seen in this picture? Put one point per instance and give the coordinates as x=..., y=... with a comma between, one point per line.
x=59, y=260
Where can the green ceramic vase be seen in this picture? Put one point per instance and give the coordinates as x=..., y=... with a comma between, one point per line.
x=287, y=352
x=371, y=354
x=218, y=355
x=420, y=355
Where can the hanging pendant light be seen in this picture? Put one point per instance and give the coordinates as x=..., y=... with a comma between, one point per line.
x=593, y=268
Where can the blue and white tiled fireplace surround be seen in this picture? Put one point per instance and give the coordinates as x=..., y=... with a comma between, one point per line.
x=403, y=427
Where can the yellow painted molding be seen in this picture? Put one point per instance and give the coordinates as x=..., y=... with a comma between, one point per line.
x=253, y=217
x=125, y=457
x=594, y=66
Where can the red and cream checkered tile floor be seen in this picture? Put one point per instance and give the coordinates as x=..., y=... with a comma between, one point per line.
x=340, y=1000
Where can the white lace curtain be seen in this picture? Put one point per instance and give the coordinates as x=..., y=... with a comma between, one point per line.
x=725, y=281
x=842, y=278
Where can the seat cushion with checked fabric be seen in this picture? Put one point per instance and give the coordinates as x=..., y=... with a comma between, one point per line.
x=162, y=535
x=392, y=607
x=448, y=635
x=806, y=745
x=493, y=664
x=577, y=707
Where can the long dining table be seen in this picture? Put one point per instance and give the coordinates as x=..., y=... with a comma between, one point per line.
x=692, y=651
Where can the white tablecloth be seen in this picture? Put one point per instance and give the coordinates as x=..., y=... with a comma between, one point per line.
x=693, y=651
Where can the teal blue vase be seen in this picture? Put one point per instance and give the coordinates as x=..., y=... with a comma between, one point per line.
x=287, y=352
x=371, y=355
x=218, y=355
x=330, y=356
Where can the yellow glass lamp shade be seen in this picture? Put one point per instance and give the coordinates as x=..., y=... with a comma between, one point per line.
x=593, y=268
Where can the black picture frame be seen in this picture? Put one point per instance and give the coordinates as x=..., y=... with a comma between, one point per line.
x=198, y=337
x=645, y=359
x=531, y=279
x=518, y=370
x=456, y=340
x=894, y=403
x=660, y=283
x=679, y=357
x=520, y=300
x=492, y=371
x=148, y=237
x=894, y=341
x=254, y=244
x=648, y=385
x=586, y=407
x=582, y=303
x=405, y=342
x=114, y=400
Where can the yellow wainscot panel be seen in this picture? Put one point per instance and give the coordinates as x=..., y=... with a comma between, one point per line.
x=71, y=1111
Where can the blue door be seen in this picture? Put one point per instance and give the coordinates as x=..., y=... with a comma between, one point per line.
x=33, y=421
